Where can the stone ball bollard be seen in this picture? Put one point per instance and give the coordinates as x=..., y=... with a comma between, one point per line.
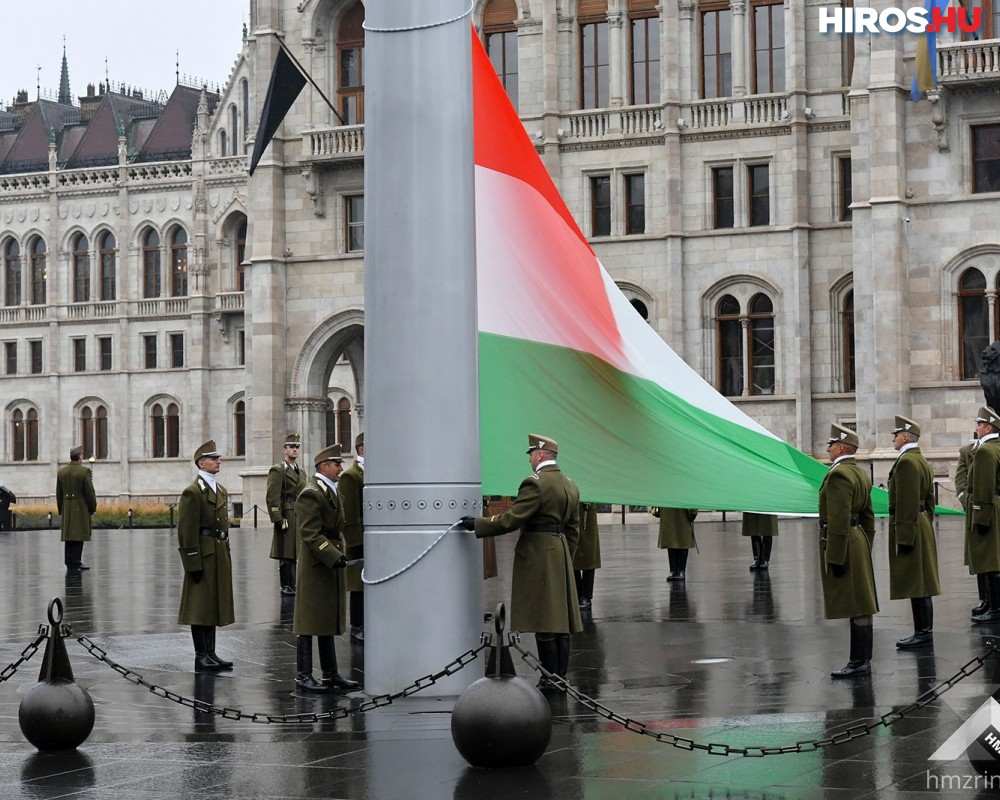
x=56, y=714
x=501, y=720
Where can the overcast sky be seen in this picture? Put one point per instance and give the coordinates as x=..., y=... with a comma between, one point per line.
x=140, y=41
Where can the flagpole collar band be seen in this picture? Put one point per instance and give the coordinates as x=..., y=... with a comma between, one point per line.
x=406, y=28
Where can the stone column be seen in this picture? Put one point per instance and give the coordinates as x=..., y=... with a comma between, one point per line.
x=739, y=47
x=617, y=59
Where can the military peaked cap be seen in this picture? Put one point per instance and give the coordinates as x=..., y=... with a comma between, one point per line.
x=359, y=440
x=207, y=450
x=76, y=452
x=904, y=425
x=537, y=442
x=331, y=453
x=294, y=440
x=843, y=434
x=989, y=416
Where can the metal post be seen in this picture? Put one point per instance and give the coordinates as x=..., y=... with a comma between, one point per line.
x=171, y=507
x=420, y=299
x=623, y=514
x=255, y=515
x=50, y=520
x=130, y=517
x=937, y=496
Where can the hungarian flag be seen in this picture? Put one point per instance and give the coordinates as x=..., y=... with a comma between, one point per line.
x=563, y=353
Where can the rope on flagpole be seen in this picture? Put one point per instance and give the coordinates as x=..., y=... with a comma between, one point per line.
x=466, y=13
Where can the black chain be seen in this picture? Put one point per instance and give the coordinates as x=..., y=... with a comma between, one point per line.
x=234, y=713
x=26, y=653
x=855, y=731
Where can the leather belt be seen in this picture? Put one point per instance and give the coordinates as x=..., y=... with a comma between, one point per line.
x=855, y=521
x=551, y=528
x=223, y=535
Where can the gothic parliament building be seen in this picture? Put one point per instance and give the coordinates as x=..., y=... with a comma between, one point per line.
x=812, y=241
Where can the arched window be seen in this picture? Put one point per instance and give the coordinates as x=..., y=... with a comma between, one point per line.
x=87, y=429
x=767, y=71
x=39, y=272
x=81, y=269
x=24, y=434
x=729, y=338
x=12, y=273
x=222, y=144
x=640, y=308
x=106, y=255
x=245, y=102
x=165, y=430
x=240, y=254
x=93, y=430
x=500, y=37
x=644, y=46
x=761, y=335
x=150, y=263
x=595, y=75
x=973, y=322
x=234, y=126
x=240, y=428
x=344, y=424
x=101, y=432
x=178, y=262
x=847, y=331
x=350, y=65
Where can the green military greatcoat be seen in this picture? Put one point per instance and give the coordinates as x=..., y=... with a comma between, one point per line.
x=75, y=501
x=983, y=539
x=847, y=527
x=350, y=488
x=588, y=551
x=759, y=524
x=911, y=522
x=543, y=590
x=284, y=482
x=320, y=594
x=676, y=528
x=203, y=536
x=965, y=453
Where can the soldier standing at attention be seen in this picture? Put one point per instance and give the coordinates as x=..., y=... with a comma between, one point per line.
x=543, y=593
x=320, y=606
x=203, y=534
x=284, y=482
x=962, y=468
x=983, y=522
x=351, y=487
x=761, y=528
x=676, y=537
x=913, y=562
x=587, y=556
x=75, y=502
x=846, y=528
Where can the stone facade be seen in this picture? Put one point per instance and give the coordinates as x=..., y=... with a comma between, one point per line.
x=915, y=225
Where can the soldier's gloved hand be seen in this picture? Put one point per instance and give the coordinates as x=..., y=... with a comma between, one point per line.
x=982, y=530
x=904, y=549
x=468, y=523
x=284, y=524
x=340, y=563
x=197, y=576
x=838, y=570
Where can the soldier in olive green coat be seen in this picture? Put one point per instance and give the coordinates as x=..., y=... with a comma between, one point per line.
x=983, y=538
x=350, y=489
x=321, y=600
x=676, y=537
x=587, y=556
x=962, y=468
x=284, y=482
x=75, y=502
x=761, y=528
x=846, y=527
x=203, y=538
x=543, y=591
x=913, y=562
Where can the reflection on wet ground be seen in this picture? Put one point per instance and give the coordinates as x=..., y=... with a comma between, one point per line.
x=729, y=657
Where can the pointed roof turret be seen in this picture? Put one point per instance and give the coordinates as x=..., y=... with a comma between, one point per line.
x=65, y=98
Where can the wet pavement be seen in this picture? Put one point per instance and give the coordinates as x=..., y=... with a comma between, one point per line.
x=729, y=657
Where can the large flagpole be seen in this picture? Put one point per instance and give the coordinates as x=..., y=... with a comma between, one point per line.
x=421, y=395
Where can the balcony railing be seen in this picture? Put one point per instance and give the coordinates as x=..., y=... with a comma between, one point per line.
x=969, y=63
x=100, y=310
x=21, y=314
x=161, y=306
x=347, y=141
x=229, y=301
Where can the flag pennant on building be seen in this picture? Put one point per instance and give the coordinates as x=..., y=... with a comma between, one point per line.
x=563, y=353
x=286, y=82
x=925, y=62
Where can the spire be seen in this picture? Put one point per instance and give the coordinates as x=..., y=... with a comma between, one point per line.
x=65, y=98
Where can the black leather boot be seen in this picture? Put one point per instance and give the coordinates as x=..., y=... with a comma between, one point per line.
x=328, y=663
x=923, y=624
x=304, y=680
x=210, y=639
x=984, y=597
x=861, y=653
x=548, y=657
x=678, y=561
x=287, y=578
x=756, y=546
x=991, y=616
x=562, y=649
x=766, y=542
x=203, y=662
